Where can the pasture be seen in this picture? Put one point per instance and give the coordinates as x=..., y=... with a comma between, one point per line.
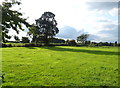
x=60, y=66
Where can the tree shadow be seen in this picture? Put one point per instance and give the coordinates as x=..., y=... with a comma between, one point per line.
x=30, y=47
x=82, y=50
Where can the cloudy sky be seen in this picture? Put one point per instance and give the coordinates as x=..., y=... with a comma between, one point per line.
x=74, y=17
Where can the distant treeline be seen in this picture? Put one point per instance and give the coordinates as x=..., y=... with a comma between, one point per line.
x=56, y=42
x=89, y=43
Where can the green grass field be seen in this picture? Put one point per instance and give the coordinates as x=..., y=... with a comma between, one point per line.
x=60, y=66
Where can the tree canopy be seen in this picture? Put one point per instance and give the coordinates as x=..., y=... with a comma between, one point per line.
x=45, y=28
x=82, y=38
x=11, y=19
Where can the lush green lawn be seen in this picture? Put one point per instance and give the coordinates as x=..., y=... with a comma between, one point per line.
x=60, y=66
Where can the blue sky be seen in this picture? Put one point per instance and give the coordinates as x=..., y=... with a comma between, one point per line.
x=74, y=17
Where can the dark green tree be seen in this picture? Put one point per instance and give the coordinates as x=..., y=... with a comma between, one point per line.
x=87, y=43
x=25, y=40
x=46, y=27
x=82, y=38
x=16, y=38
x=115, y=44
x=71, y=42
x=11, y=19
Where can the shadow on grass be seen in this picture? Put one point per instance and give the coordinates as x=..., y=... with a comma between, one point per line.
x=31, y=47
x=82, y=50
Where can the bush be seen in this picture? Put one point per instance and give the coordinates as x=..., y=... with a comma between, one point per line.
x=71, y=42
x=6, y=45
x=25, y=40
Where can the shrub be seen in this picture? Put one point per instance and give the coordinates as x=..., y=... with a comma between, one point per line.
x=71, y=42
x=6, y=45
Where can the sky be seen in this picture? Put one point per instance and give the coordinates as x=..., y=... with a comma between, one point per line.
x=75, y=17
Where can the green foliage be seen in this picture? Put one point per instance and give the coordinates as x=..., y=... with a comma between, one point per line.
x=71, y=42
x=45, y=28
x=60, y=66
x=17, y=38
x=57, y=40
x=82, y=38
x=25, y=40
x=11, y=19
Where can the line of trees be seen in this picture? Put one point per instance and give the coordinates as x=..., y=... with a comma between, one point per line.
x=82, y=40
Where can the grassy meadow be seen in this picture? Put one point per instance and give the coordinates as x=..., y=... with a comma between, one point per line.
x=60, y=66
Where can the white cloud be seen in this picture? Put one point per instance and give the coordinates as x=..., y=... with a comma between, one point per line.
x=68, y=12
x=113, y=12
x=68, y=32
x=104, y=0
x=109, y=33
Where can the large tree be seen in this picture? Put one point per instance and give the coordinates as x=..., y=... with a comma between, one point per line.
x=11, y=19
x=46, y=27
x=82, y=38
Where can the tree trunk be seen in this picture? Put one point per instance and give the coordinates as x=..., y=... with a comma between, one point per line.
x=46, y=40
